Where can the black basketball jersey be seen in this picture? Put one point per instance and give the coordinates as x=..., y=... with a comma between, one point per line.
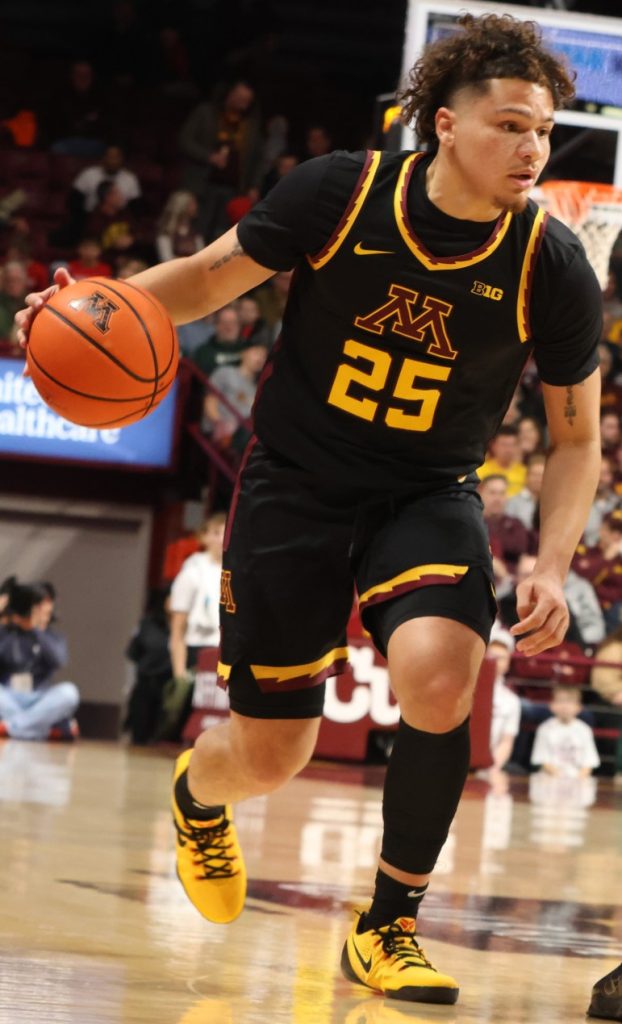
x=395, y=366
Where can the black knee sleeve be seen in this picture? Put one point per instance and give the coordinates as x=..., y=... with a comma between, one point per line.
x=424, y=781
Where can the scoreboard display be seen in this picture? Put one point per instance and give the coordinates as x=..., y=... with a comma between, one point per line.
x=594, y=53
x=586, y=143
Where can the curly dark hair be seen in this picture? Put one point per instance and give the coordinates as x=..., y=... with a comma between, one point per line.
x=490, y=46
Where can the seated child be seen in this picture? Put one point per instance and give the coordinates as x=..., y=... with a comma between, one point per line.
x=564, y=745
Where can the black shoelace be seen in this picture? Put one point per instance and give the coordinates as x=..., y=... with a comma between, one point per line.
x=210, y=846
x=403, y=946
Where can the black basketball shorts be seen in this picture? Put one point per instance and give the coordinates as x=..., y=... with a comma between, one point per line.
x=294, y=553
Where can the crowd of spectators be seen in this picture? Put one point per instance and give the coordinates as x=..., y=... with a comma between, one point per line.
x=78, y=189
x=511, y=481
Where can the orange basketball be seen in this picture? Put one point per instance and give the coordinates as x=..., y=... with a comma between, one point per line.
x=102, y=353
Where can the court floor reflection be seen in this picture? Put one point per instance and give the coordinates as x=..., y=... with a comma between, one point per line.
x=95, y=928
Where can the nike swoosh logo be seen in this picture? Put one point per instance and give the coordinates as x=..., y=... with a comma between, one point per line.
x=360, y=251
x=365, y=964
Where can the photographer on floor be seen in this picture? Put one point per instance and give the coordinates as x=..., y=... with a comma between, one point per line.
x=32, y=707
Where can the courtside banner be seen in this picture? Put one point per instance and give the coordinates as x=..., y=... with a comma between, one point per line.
x=30, y=429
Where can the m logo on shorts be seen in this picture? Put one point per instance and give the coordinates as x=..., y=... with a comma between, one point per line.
x=100, y=309
x=226, y=593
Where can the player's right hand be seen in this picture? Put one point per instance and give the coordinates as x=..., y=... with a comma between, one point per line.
x=34, y=302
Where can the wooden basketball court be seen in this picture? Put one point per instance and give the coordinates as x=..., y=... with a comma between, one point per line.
x=524, y=908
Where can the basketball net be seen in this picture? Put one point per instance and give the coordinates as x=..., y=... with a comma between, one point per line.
x=590, y=209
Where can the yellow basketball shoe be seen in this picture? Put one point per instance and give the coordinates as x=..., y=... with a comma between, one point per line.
x=210, y=865
x=391, y=961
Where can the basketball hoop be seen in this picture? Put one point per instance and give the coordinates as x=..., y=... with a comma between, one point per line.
x=590, y=209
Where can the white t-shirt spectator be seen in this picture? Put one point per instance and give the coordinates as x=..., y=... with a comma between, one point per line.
x=522, y=506
x=240, y=391
x=196, y=591
x=505, y=713
x=567, y=746
x=89, y=180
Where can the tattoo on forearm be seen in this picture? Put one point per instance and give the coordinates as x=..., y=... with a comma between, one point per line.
x=236, y=251
x=570, y=409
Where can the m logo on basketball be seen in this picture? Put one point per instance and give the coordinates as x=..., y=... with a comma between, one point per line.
x=100, y=309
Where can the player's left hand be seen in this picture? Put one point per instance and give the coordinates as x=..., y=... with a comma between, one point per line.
x=542, y=612
x=34, y=302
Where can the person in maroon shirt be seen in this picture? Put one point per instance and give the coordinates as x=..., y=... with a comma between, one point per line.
x=602, y=566
x=509, y=538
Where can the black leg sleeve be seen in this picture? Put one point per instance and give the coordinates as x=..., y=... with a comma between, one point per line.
x=424, y=781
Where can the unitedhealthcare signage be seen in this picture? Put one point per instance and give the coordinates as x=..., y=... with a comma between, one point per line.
x=29, y=428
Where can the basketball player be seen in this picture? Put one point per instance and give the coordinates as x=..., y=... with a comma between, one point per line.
x=422, y=284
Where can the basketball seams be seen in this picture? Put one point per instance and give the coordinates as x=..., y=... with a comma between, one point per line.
x=86, y=394
x=118, y=421
x=159, y=309
x=93, y=341
x=121, y=297
x=100, y=424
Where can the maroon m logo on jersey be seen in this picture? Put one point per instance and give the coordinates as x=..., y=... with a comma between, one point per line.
x=427, y=325
x=100, y=309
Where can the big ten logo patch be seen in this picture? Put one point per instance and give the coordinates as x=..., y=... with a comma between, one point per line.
x=226, y=593
x=487, y=291
x=371, y=696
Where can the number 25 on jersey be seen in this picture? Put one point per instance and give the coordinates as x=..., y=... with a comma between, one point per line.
x=370, y=369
